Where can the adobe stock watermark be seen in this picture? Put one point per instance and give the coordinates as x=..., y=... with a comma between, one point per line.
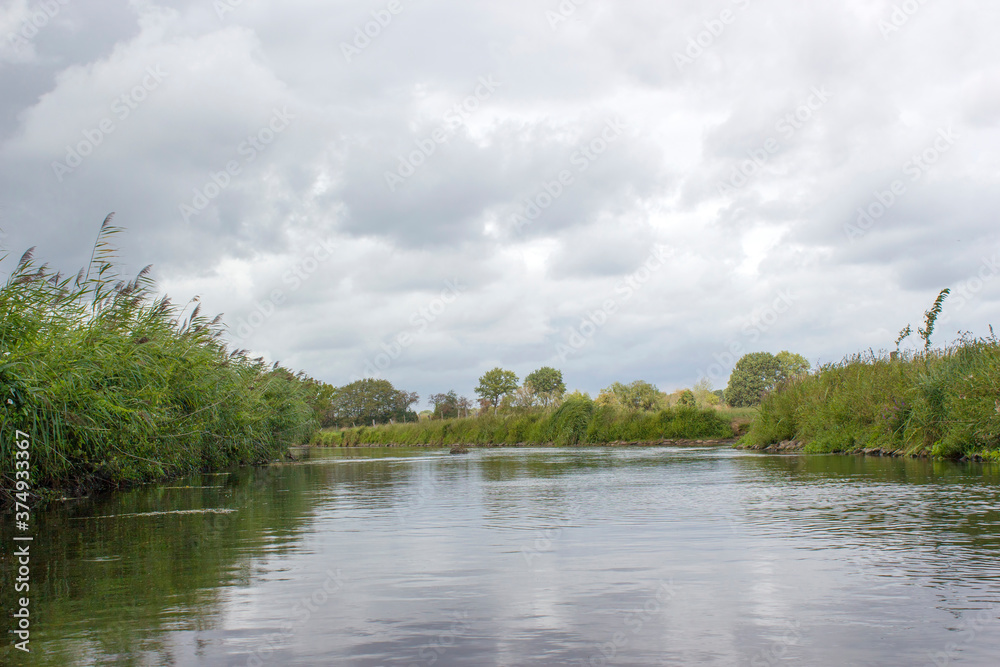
x=223, y=7
x=625, y=289
x=787, y=126
x=318, y=253
x=551, y=190
x=453, y=119
x=121, y=108
x=565, y=10
x=705, y=39
x=431, y=652
x=420, y=321
x=365, y=34
x=900, y=16
x=967, y=290
x=776, y=653
x=914, y=168
x=969, y=629
x=41, y=15
x=756, y=326
x=248, y=150
x=634, y=621
x=545, y=538
x=301, y=612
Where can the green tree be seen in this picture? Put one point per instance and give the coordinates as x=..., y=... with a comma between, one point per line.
x=638, y=395
x=755, y=374
x=495, y=384
x=791, y=365
x=372, y=401
x=546, y=383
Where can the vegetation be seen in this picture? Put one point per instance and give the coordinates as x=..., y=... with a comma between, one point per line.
x=757, y=373
x=638, y=395
x=791, y=365
x=547, y=384
x=115, y=385
x=942, y=402
x=495, y=384
x=578, y=420
x=370, y=401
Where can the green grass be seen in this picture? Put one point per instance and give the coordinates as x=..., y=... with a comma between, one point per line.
x=945, y=403
x=116, y=386
x=576, y=421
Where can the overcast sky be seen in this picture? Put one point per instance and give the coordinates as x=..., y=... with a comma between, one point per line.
x=426, y=190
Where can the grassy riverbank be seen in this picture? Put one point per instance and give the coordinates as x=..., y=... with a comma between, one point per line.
x=576, y=421
x=944, y=403
x=114, y=385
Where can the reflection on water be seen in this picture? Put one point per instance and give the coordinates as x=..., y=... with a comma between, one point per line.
x=592, y=556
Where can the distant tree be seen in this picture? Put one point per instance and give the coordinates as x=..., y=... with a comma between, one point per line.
x=755, y=374
x=372, y=401
x=638, y=395
x=521, y=399
x=485, y=406
x=495, y=384
x=791, y=365
x=703, y=393
x=445, y=405
x=464, y=405
x=687, y=399
x=546, y=383
x=577, y=395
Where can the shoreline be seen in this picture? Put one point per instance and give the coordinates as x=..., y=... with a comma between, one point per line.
x=799, y=447
x=706, y=442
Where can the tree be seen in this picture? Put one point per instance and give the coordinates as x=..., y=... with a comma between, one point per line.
x=703, y=393
x=791, y=365
x=687, y=399
x=445, y=405
x=521, y=399
x=638, y=395
x=371, y=401
x=755, y=374
x=547, y=384
x=464, y=405
x=319, y=396
x=496, y=384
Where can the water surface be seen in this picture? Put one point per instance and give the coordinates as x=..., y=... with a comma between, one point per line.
x=596, y=556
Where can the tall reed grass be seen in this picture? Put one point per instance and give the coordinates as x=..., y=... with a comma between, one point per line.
x=115, y=385
x=576, y=421
x=943, y=402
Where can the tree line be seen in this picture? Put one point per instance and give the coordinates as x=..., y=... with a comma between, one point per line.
x=374, y=401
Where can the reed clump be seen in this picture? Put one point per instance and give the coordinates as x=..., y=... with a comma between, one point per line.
x=940, y=402
x=116, y=386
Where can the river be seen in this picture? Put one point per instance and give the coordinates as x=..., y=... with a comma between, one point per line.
x=582, y=556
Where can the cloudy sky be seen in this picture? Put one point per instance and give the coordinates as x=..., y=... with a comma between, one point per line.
x=426, y=190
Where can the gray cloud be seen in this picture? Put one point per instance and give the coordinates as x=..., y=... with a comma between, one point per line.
x=729, y=161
